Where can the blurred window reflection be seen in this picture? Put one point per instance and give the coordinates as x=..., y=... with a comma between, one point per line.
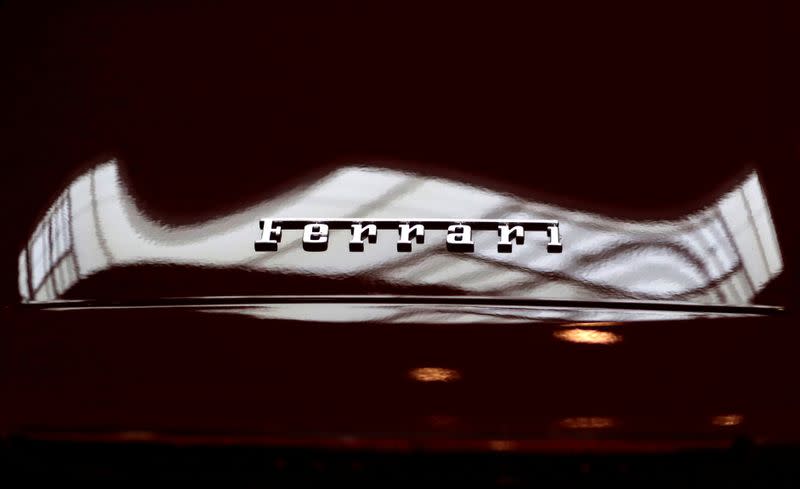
x=725, y=253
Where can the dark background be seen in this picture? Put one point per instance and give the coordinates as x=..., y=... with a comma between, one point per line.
x=637, y=110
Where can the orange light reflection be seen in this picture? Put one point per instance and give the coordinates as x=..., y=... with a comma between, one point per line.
x=591, y=336
x=587, y=422
x=434, y=374
x=727, y=420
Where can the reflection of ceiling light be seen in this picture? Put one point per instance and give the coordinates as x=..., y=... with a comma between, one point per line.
x=502, y=445
x=707, y=257
x=588, y=336
x=586, y=422
x=434, y=374
x=727, y=420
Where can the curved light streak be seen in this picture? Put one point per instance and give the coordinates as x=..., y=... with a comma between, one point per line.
x=724, y=253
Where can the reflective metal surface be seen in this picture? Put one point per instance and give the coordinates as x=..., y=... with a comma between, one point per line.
x=723, y=254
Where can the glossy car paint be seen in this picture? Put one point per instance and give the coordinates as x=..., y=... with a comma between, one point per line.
x=135, y=307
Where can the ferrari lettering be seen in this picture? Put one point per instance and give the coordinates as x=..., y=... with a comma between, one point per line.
x=459, y=237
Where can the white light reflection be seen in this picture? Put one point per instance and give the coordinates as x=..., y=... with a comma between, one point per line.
x=725, y=253
x=452, y=314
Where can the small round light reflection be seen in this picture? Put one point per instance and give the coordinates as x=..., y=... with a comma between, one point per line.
x=727, y=420
x=587, y=423
x=434, y=374
x=502, y=445
x=591, y=336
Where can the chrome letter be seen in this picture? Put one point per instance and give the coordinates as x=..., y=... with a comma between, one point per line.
x=408, y=231
x=506, y=233
x=459, y=238
x=358, y=230
x=266, y=243
x=554, y=246
x=315, y=237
